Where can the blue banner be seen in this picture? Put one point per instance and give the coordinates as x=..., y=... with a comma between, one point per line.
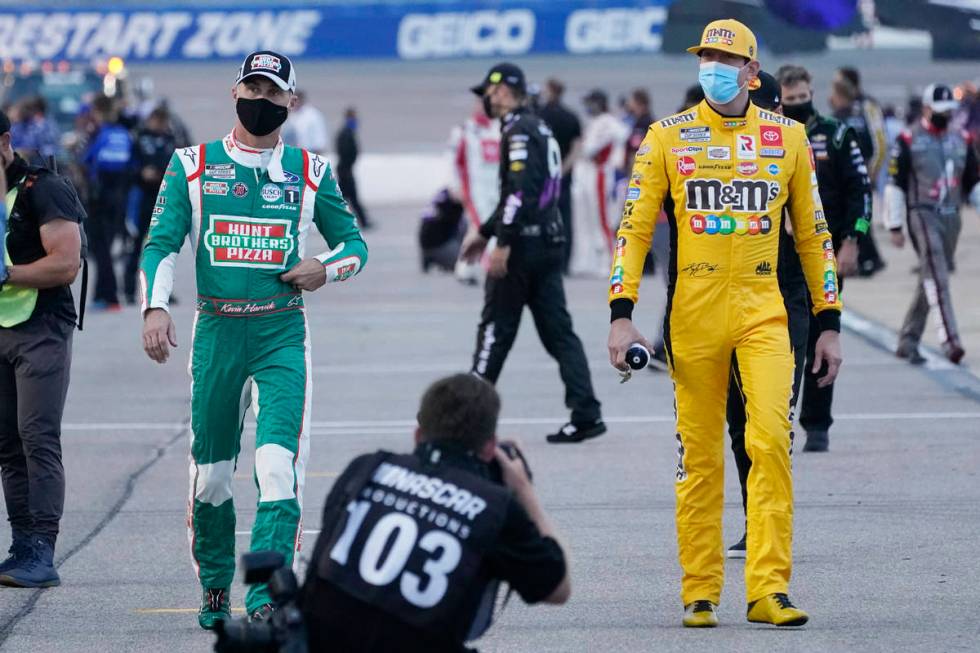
x=404, y=30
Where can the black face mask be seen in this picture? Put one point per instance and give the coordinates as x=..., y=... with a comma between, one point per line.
x=487, y=107
x=260, y=117
x=939, y=120
x=799, y=112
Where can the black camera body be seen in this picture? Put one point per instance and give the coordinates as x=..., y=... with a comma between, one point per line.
x=284, y=632
x=497, y=474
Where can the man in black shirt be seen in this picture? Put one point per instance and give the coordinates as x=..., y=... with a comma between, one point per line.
x=525, y=267
x=152, y=150
x=568, y=132
x=414, y=546
x=347, y=151
x=37, y=318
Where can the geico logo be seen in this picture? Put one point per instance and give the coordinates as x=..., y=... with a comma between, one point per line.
x=725, y=225
x=615, y=30
x=480, y=33
x=740, y=195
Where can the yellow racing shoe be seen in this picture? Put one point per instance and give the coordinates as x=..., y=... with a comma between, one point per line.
x=700, y=614
x=778, y=610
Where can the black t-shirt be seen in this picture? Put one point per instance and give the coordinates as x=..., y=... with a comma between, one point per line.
x=43, y=196
x=519, y=555
x=564, y=124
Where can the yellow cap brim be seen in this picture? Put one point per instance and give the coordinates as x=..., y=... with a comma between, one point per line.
x=698, y=48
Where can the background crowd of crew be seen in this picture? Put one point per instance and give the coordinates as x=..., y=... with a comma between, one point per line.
x=118, y=147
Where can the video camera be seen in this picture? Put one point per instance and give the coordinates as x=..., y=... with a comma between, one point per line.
x=284, y=632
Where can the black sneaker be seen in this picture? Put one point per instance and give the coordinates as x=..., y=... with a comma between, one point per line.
x=262, y=614
x=572, y=432
x=910, y=351
x=954, y=352
x=817, y=441
x=737, y=550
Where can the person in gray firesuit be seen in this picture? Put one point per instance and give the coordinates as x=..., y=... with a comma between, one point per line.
x=933, y=171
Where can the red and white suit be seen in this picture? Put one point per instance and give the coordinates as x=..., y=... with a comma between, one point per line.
x=595, y=212
x=475, y=149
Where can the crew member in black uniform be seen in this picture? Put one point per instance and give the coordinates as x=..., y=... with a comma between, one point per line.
x=567, y=130
x=845, y=191
x=845, y=188
x=152, y=149
x=863, y=114
x=526, y=265
x=37, y=319
x=414, y=546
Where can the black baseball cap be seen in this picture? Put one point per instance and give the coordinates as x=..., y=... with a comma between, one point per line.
x=764, y=91
x=271, y=65
x=596, y=95
x=939, y=98
x=503, y=73
x=4, y=123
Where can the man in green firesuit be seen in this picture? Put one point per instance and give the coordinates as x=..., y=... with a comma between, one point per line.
x=247, y=203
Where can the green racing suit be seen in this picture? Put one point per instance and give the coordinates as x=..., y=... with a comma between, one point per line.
x=247, y=214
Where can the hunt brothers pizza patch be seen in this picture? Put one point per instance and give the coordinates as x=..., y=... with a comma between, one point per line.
x=235, y=241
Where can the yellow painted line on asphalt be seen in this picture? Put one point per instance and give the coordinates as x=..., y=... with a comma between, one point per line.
x=177, y=610
x=242, y=475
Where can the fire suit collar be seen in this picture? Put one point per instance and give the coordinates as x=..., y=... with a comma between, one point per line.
x=514, y=115
x=714, y=119
x=252, y=158
x=813, y=121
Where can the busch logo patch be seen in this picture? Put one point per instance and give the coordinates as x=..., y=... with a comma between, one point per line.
x=235, y=241
x=271, y=193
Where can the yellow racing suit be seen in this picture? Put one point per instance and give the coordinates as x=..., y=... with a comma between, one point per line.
x=724, y=183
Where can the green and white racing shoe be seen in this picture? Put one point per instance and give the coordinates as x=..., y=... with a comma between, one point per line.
x=215, y=607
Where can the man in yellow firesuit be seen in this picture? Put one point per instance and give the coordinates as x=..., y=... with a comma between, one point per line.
x=724, y=171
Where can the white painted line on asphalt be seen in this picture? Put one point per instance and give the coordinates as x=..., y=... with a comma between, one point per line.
x=122, y=426
x=178, y=610
x=397, y=425
x=520, y=365
x=958, y=378
x=244, y=476
x=305, y=532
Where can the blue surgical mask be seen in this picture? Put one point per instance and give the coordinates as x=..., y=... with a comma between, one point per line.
x=719, y=81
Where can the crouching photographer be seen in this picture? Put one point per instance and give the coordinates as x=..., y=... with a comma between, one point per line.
x=414, y=546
